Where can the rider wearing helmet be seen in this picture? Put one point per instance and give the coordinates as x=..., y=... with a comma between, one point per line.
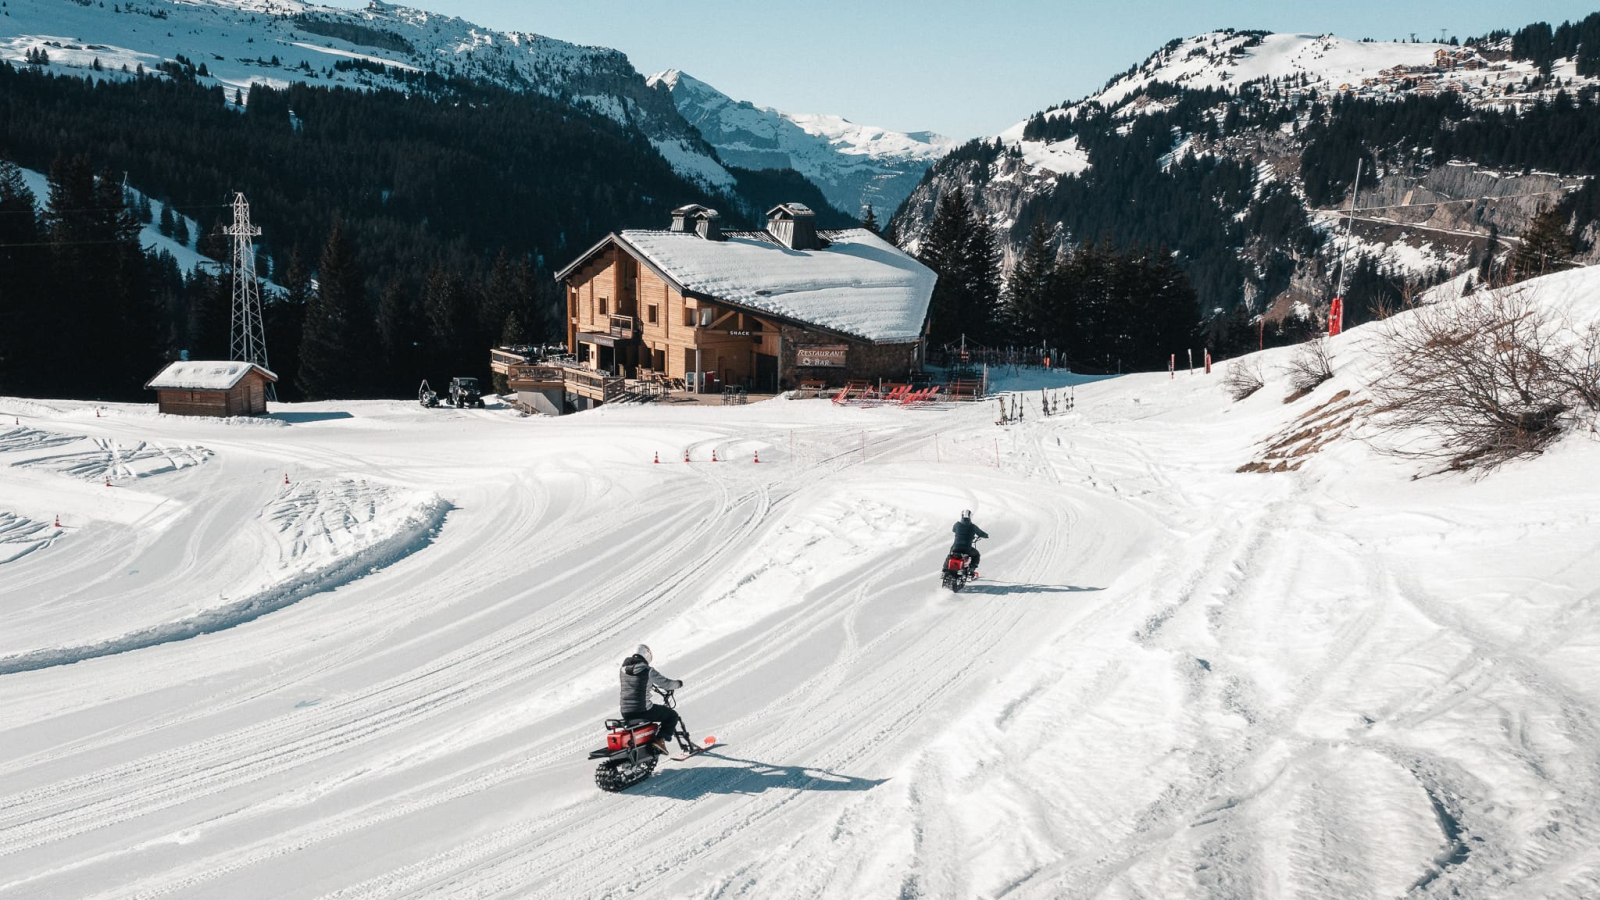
x=966, y=533
x=637, y=679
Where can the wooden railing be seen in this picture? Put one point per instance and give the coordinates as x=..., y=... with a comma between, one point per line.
x=592, y=384
x=502, y=361
x=534, y=377
x=622, y=327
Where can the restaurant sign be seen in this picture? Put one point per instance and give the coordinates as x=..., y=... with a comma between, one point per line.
x=832, y=355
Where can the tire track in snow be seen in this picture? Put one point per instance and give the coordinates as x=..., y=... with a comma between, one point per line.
x=512, y=670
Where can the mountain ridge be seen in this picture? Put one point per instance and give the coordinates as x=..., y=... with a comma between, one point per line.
x=1244, y=109
x=854, y=165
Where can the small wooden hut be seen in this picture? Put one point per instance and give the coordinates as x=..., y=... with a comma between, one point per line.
x=212, y=389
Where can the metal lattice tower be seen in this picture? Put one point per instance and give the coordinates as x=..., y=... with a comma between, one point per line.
x=249, y=336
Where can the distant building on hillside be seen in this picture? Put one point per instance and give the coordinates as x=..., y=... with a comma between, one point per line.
x=212, y=389
x=765, y=310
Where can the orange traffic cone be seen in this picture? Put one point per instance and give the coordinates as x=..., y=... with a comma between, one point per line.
x=686, y=456
x=758, y=456
x=713, y=456
x=58, y=520
x=108, y=481
x=658, y=458
x=286, y=478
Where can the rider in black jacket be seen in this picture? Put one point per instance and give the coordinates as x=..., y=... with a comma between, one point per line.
x=966, y=533
x=637, y=679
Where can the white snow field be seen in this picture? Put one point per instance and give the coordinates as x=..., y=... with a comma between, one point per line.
x=1174, y=680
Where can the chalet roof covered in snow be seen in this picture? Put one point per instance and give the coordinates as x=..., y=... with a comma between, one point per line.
x=857, y=284
x=203, y=376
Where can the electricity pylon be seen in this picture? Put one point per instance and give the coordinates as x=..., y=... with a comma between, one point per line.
x=249, y=337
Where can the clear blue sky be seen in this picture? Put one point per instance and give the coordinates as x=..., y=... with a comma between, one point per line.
x=961, y=68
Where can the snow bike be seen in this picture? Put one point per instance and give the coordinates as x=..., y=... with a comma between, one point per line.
x=958, y=570
x=628, y=756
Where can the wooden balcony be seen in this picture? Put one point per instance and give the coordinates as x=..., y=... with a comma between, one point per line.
x=592, y=384
x=501, y=361
x=534, y=378
x=623, y=327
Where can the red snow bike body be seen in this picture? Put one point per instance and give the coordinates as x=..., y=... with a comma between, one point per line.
x=629, y=757
x=957, y=570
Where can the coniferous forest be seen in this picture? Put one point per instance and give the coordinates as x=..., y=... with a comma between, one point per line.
x=408, y=231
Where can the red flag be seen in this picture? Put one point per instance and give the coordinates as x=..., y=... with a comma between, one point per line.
x=1336, y=317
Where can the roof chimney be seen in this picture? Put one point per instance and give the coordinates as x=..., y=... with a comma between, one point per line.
x=794, y=226
x=697, y=219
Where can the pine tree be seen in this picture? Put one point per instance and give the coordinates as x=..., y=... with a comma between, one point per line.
x=166, y=225
x=1491, y=245
x=328, y=347
x=285, y=315
x=499, y=298
x=1027, y=315
x=146, y=213
x=397, y=335
x=870, y=220
x=180, y=229
x=980, y=264
x=447, y=308
x=1546, y=246
x=513, y=334
x=941, y=251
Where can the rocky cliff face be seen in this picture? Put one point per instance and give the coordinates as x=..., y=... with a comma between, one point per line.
x=853, y=164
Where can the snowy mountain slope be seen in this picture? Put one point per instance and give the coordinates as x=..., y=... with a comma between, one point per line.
x=277, y=42
x=1015, y=178
x=1322, y=62
x=854, y=165
x=1174, y=680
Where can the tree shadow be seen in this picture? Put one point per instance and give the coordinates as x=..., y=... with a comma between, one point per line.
x=746, y=776
x=296, y=418
x=1017, y=587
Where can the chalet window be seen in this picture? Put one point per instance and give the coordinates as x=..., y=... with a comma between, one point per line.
x=688, y=316
x=650, y=314
x=603, y=306
x=706, y=313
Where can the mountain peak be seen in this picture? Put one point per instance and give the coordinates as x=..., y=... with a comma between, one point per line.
x=853, y=164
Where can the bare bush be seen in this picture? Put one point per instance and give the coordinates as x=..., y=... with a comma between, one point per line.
x=1492, y=376
x=1243, y=378
x=1309, y=367
x=1581, y=374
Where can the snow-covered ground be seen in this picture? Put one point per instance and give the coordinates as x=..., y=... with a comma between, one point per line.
x=1174, y=680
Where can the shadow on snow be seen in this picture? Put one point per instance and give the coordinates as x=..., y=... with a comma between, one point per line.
x=1017, y=587
x=747, y=776
x=301, y=418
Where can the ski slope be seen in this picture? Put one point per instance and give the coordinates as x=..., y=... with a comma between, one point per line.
x=1174, y=680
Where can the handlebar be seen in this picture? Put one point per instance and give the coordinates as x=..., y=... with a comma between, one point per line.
x=666, y=696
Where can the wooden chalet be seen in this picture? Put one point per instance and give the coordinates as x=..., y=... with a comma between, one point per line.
x=212, y=389
x=764, y=310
